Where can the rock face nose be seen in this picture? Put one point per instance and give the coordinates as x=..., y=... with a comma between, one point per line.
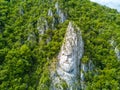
x=69, y=57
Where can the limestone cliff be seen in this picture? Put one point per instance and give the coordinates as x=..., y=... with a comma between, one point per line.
x=68, y=59
x=116, y=48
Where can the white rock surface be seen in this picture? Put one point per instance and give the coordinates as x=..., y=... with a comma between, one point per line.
x=115, y=47
x=50, y=13
x=57, y=7
x=60, y=13
x=69, y=57
x=42, y=25
x=91, y=66
x=85, y=67
x=117, y=51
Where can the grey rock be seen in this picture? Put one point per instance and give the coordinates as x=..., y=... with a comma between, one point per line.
x=69, y=58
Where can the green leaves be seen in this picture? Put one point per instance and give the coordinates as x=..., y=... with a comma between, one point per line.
x=24, y=58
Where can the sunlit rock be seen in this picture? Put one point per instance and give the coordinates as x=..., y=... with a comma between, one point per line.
x=85, y=67
x=50, y=13
x=117, y=51
x=69, y=58
x=115, y=47
x=62, y=16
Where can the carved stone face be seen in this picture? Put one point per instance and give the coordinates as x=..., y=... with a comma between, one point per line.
x=66, y=62
x=70, y=55
x=67, y=57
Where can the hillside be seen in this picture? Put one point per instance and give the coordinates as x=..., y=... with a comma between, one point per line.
x=59, y=45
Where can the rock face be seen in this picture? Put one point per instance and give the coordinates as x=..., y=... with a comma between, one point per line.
x=117, y=51
x=50, y=13
x=60, y=13
x=42, y=25
x=85, y=67
x=68, y=67
x=115, y=47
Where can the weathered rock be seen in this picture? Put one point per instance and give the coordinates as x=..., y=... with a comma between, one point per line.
x=60, y=13
x=42, y=26
x=117, y=51
x=57, y=7
x=85, y=67
x=69, y=58
x=62, y=16
x=50, y=13
x=115, y=47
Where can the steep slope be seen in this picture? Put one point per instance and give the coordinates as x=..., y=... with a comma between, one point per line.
x=36, y=54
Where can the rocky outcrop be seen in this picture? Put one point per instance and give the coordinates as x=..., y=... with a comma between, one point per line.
x=85, y=67
x=116, y=48
x=60, y=13
x=117, y=51
x=42, y=25
x=50, y=13
x=68, y=67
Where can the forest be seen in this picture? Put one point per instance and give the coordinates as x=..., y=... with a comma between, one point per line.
x=32, y=33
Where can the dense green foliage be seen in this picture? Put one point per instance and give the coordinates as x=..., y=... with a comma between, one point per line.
x=25, y=55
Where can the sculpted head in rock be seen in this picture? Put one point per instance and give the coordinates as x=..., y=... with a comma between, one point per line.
x=68, y=56
x=66, y=62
